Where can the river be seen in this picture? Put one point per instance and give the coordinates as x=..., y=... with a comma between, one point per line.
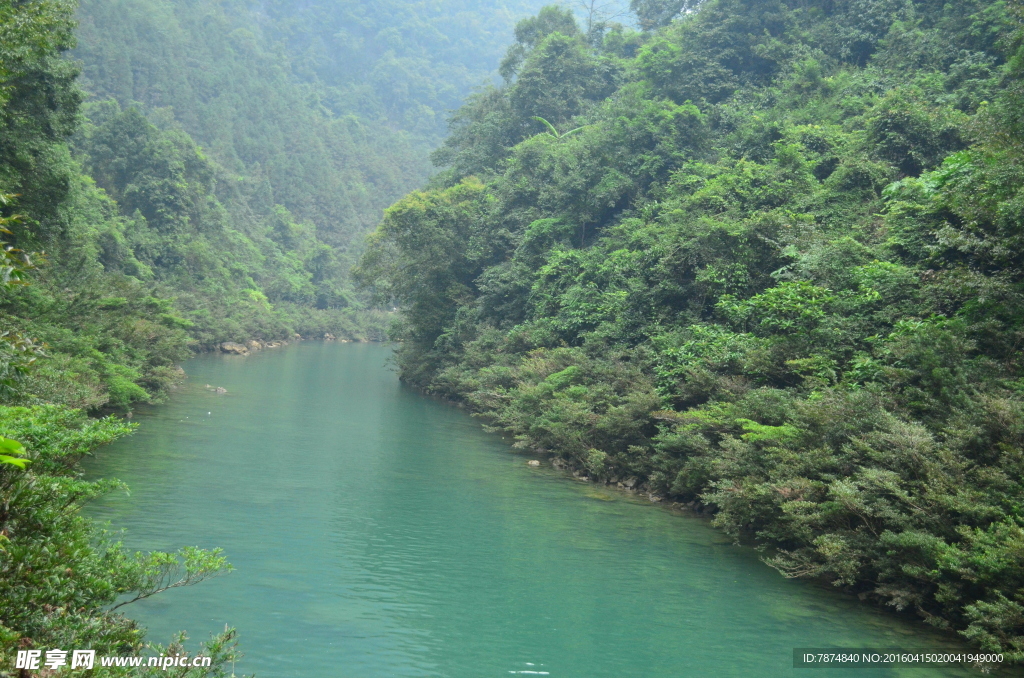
x=376, y=532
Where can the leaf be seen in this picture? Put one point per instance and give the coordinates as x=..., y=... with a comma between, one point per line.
x=12, y=447
x=14, y=461
x=551, y=128
x=15, y=451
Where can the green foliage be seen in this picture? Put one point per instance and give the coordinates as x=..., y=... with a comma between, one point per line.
x=15, y=453
x=30, y=33
x=775, y=273
x=552, y=74
x=653, y=14
x=328, y=108
x=17, y=353
x=558, y=80
x=60, y=574
x=531, y=31
x=154, y=573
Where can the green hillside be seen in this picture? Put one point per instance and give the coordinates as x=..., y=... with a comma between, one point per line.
x=199, y=173
x=762, y=258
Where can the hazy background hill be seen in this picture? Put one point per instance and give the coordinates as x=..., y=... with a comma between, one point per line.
x=330, y=107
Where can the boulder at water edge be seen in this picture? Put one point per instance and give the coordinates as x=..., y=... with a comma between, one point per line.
x=234, y=348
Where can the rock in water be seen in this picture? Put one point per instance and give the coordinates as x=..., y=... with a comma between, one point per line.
x=234, y=348
x=533, y=462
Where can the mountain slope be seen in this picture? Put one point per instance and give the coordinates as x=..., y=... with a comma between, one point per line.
x=206, y=178
x=762, y=260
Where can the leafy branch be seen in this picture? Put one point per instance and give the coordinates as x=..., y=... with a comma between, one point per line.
x=159, y=572
x=551, y=128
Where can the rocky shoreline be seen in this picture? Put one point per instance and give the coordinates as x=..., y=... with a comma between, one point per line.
x=254, y=345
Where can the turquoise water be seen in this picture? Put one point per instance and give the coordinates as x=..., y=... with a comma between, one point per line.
x=377, y=532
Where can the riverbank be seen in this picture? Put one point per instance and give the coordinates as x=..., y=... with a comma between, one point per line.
x=382, y=531
x=254, y=345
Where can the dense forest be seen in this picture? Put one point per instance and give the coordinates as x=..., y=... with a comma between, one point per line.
x=200, y=173
x=762, y=257
x=174, y=175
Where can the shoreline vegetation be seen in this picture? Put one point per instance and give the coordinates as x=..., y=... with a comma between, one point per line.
x=758, y=257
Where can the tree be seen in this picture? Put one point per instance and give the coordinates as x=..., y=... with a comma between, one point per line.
x=652, y=14
x=531, y=31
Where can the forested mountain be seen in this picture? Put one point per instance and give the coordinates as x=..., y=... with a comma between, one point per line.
x=208, y=174
x=762, y=257
x=328, y=108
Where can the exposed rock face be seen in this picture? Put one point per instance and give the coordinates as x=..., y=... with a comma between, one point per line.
x=234, y=348
x=329, y=337
x=254, y=345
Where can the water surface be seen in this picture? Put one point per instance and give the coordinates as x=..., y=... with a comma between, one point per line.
x=378, y=533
